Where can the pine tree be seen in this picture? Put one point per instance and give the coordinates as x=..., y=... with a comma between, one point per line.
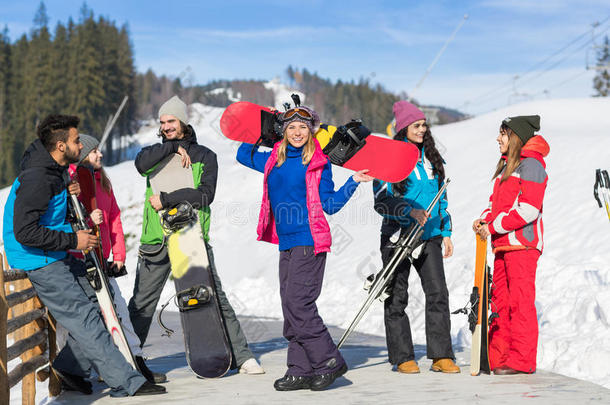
x=7, y=171
x=601, y=82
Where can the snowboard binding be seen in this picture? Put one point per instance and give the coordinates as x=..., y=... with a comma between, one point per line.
x=271, y=129
x=347, y=140
x=186, y=300
x=178, y=217
x=193, y=298
x=93, y=277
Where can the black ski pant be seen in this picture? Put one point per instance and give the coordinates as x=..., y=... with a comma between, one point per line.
x=429, y=266
x=151, y=275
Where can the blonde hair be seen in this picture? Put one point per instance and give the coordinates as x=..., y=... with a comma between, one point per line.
x=307, y=153
x=513, y=156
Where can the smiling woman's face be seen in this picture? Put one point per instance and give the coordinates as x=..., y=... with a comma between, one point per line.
x=297, y=134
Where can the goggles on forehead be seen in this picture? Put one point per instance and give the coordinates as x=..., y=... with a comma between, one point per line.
x=299, y=112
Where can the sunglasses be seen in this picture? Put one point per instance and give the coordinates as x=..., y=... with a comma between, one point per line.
x=301, y=113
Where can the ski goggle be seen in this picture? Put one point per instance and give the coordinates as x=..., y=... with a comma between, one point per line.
x=299, y=112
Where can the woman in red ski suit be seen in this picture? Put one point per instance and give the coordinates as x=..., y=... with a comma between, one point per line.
x=514, y=221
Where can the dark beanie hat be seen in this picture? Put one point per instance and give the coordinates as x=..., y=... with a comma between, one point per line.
x=89, y=143
x=523, y=126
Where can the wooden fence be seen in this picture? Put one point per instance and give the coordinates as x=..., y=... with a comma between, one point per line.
x=25, y=321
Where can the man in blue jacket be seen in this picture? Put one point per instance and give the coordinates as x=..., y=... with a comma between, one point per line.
x=37, y=237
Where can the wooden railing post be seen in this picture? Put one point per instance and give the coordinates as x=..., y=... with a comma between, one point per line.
x=32, y=330
x=4, y=388
x=54, y=383
x=28, y=384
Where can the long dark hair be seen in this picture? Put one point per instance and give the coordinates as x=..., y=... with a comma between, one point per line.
x=430, y=152
x=512, y=160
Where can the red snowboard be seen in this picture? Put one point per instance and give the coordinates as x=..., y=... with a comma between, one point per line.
x=386, y=159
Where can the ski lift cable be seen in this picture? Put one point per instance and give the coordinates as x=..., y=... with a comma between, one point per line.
x=533, y=68
x=569, y=79
x=510, y=82
x=520, y=78
x=564, y=58
x=439, y=54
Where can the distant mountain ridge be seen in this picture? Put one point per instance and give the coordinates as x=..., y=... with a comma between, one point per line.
x=336, y=103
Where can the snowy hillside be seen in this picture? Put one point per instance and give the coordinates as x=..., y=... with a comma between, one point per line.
x=573, y=294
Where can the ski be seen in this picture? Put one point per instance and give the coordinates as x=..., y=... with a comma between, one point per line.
x=406, y=247
x=95, y=270
x=479, y=311
x=479, y=358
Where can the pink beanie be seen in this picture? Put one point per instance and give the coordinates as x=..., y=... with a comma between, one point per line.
x=405, y=114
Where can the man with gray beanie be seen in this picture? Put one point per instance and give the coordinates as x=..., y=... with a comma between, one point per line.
x=153, y=265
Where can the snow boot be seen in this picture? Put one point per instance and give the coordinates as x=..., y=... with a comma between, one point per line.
x=251, y=366
x=445, y=365
x=408, y=367
x=151, y=376
x=292, y=383
x=505, y=370
x=150, y=389
x=322, y=381
x=71, y=382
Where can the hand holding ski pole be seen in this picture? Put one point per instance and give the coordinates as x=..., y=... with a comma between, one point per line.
x=86, y=240
x=421, y=216
x=74, y=188
x=97, y=216
x=480, y=227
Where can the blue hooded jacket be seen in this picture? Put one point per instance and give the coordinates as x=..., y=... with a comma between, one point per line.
x=420, y=187
x=35, y=230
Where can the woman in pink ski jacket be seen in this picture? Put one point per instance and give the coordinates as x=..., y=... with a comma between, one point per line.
x=514, y=222
x=107, y=217
x=297, y=190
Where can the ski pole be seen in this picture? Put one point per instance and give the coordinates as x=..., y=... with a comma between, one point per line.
x=606, y=191
x=404, y=248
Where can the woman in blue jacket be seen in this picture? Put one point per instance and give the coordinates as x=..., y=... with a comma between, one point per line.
x=297, y=190
x=401, y=205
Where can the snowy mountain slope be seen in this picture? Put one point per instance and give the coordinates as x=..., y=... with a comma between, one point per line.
x=573, y=279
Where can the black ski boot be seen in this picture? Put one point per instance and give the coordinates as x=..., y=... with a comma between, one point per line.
x=151, y=376
x=71, y=382
x=322, y=381
x=292, y=383
x=150, y=389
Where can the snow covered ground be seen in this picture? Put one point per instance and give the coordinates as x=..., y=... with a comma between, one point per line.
x=573, y=280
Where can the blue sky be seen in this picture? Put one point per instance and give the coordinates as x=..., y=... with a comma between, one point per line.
x=387, y=42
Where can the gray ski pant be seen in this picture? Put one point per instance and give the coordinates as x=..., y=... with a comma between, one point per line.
x=63, y=288
x=152, y=272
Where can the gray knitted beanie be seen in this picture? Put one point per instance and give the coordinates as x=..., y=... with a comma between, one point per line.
x=89, y=143
x=176, y=107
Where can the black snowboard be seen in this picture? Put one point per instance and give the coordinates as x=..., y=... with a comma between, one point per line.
x=205, y=338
